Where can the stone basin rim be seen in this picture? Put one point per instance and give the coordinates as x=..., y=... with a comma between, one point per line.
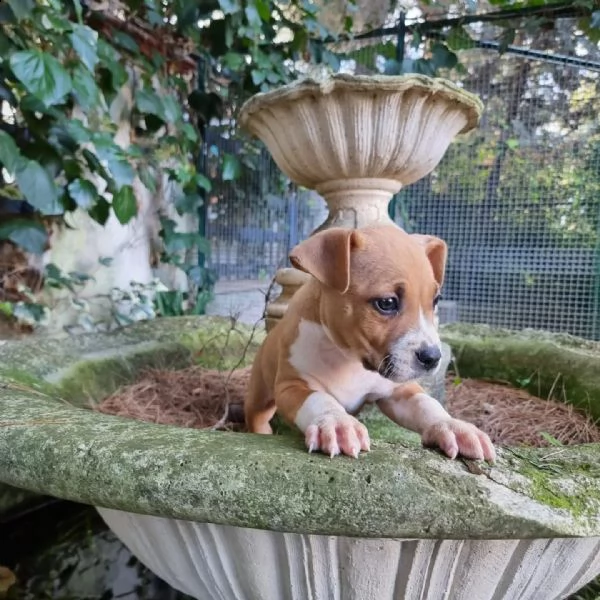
x=169, y=471
x=471, y=104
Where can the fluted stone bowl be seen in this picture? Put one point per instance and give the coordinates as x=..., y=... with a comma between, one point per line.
x=330, y=134
x=222, y=515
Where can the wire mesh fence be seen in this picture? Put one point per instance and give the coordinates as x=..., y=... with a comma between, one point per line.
x=518, y=200
x=254, y=220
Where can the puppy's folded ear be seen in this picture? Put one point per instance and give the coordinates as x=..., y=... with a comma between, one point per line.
x=326, y=256
x=437, y=253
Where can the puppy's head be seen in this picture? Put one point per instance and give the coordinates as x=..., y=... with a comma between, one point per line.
x=380, y=287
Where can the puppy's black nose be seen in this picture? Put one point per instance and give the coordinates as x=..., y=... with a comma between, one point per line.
x=429, y=356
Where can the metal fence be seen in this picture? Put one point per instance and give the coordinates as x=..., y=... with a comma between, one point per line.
x=254, y=221
x=518, y=201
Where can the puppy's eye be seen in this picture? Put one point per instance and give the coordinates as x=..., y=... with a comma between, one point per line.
x=387, y=306
x=436, y=300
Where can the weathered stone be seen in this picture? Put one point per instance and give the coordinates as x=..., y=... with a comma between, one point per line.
x=49, y=445
x=560, y=366
x=11, y=497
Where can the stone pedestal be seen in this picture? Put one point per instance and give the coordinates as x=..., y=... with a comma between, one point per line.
x=290, y=280
x=357, y=140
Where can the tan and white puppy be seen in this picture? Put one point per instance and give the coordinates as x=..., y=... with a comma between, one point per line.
x=363, y=329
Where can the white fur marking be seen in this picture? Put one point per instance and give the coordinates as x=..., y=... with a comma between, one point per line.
x=404, y=349
x=327, y=368
x=316, y=406
x=428, y=330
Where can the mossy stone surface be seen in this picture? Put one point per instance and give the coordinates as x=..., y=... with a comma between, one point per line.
x=50, y=445
x=556, y=366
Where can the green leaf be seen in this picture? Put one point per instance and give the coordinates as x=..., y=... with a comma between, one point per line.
x=55, y=23
x=21, y=8
x=550, y=439
x=38, y=187
x=258, y=76
x=253, y=16
x=42, y=75
x=125, y=41
x=5, y=44
x=506, y=39
x=188, y=203
x=100, y=211
x=10, y=155
x=148, y=101
x=6, y=308
x=111, y=60
x=79, y=132
x=147, y=177
x=78, y=9
x=229, y=7
x=231, y=167
x=459, y=39
x=189, y=132
x=172, y=110
x=203, y=182
x=85, y=42
x=169, y=303
x=443, y=58
x=125, y=204
x=85, y=89
x=27, y=234
x=121, y=171
x=29, y=312
x=83, y=192
x=264, y=9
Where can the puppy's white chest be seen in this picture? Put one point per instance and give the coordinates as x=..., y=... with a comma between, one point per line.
x=325, y=367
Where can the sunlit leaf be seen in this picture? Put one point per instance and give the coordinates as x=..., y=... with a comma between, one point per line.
x=229, y=7
x=85, y=89
x=84, y=193
x=10, y=154
x=231, y=167
x=85, y=42
x=125, y=204
x=459, y=39
x=21, y=8
x=42, y=75
x=38, y=187
x=25, y=233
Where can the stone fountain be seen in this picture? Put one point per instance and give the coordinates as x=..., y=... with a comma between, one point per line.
x=357, y=140
x=233, y=516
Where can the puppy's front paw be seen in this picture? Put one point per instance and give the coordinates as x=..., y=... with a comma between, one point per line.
x=335, y=434
x=456, y=437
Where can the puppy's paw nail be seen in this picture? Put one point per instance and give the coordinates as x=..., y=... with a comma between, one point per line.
x=355, y=452
x=311, y=448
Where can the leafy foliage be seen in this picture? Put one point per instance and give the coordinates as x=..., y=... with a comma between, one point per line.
x=64, y=65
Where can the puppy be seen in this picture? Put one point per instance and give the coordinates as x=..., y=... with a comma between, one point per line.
x=362, y=329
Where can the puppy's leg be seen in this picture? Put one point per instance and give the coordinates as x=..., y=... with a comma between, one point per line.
x=326, y=425
x=259, y=406
x=411, y=407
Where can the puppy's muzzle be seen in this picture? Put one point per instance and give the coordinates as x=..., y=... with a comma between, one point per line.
x=385, y=368
x=429, y=357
